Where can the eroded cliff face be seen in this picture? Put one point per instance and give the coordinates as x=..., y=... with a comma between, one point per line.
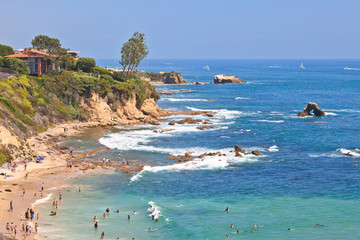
x=100, y=113
x=121, y=112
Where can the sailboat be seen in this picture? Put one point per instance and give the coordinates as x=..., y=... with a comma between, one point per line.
x=302, y=65
x=206, y=67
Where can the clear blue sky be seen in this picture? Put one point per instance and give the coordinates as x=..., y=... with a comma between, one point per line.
x=190, y=29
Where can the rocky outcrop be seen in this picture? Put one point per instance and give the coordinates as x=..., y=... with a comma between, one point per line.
x=222, y=78
x=239, y=152
x=186, y=121
x=162, y=78
x=312, y=107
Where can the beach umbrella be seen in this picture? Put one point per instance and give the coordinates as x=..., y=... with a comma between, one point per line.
x=40, y=158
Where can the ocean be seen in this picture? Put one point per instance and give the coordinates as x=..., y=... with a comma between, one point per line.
x=302, y=180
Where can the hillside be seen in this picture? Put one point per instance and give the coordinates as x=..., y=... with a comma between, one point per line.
x=30, y=105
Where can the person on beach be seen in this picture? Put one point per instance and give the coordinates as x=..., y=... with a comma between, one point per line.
x=11, y=206
x=128, y=217
x=96, y=225
x=102, y=235
x=37, y=216
x=56, y=204
x=23, y=192
x=23, y=228
x=7, y=228
x=36, y=227
x=42, y=187
x=15, y=231
x=95, y=218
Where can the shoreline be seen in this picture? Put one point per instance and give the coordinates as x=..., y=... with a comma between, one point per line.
x=53, y=172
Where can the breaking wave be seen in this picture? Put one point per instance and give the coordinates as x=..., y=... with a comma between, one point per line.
x=205, y=163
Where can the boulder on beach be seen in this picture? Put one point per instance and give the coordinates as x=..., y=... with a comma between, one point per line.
x=311, y=107
x=222, y=78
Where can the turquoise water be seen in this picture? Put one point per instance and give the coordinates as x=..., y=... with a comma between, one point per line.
x=302, y=181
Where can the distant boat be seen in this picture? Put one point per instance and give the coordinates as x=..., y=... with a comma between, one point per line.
x=302, y=65
x=206, y=67
x=347, y=68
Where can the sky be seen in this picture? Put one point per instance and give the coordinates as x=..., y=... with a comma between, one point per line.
x=190, y=29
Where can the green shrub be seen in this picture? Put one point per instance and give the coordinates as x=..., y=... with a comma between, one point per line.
x=5, y=156
x=107, y=77
x=20, y=66
x=5, y=50
x=85, y=64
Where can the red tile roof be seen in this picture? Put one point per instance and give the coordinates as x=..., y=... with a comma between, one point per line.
x=29, y=54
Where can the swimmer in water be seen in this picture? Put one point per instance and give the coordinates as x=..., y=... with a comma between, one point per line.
x=227, y=209
x=96, y=225
x=129, y=217
x=227, y=235
x=232, y=225
x=255, y=225
x=134, y=212
x=237, y=231
x=95, y=218
x=252, y=230
x=291, y=229
x=117, y=211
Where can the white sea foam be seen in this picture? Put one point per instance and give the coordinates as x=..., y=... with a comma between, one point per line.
x=155, y=211
x=222, y=113
x=273, y=148
x=241, y=98
x=353, y=153
x=205, y=163
x=354, y=69
x=342, y=110
x=186, y=100
x=330, y=114
x=271, y=121
x=42, y=200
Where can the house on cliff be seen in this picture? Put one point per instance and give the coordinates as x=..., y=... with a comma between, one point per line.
x=37, y=59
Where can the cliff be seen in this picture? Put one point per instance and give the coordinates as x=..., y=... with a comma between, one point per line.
x=222, y=78
x=162, y=78
x=31, y=105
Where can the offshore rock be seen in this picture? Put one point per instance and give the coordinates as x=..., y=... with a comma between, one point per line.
x=222, y=78
x=311, y=107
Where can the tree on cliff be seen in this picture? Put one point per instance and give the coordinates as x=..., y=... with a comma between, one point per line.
x=51, y=45
x=132, y=53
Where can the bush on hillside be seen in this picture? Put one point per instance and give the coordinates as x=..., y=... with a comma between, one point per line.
x=5, y=156
x=85, y=64
x=20, y=66
x=5, y=50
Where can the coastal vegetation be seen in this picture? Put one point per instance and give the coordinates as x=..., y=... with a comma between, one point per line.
x=132, y=53
x=5, y=50
x=30, y=104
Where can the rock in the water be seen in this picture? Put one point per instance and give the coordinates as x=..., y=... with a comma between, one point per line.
x=239, y=149
x=311, y=107
x=256, y=153
x=185, y=121
x=222, y=78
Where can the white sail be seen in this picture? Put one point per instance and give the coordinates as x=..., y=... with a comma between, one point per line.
x=302, y=65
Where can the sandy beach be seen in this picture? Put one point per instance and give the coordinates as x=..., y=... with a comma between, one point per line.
x=53, y=174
